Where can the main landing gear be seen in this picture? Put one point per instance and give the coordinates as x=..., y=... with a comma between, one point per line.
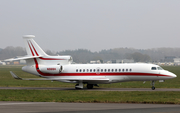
x=152, y=84
x=89, y=86
x=79, y=86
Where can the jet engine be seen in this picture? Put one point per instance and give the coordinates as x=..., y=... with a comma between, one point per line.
x=54, y=69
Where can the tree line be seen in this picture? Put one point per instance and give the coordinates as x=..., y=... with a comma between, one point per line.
x=85, y=56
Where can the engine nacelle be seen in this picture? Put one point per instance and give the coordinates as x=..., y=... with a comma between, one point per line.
x=53, y=69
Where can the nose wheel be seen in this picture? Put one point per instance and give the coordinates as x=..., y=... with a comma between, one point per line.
x=153, y=83
x=153, y=88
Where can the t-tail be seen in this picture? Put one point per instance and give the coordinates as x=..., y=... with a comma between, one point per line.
x=32, y=48
x=34, y=51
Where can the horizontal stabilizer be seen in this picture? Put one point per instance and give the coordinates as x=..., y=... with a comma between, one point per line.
x=22, y=58
x=16, y=77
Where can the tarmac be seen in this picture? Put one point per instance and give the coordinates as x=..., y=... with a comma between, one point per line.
x=55, y=107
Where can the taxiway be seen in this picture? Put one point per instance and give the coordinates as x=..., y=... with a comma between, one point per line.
x=55, y=107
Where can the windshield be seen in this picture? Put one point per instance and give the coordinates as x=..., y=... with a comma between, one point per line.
x=153, y=68
x=159, y=68
x=156, y=68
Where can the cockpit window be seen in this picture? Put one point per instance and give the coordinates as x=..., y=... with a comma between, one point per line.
x=159, y=68
x=156, y=68
x=153, y=68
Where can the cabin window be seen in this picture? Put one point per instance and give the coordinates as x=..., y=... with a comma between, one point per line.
x=94, y=70
x=123, y=70
x=119, y=70
x=105, y=70
x=130, y=69
x=87, y=70
x=115, y=70
x=90, y=70
x=76, y=70
x=80, y=70
x=112, y=70
x=126, y=69
x=108, y=70
x=97, y=70
x=83, y=70
x=153, y=68
x=101, y=70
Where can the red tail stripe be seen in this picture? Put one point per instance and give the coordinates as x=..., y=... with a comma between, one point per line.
x=30, y=49
x=34, y=49
x=35, y=60
x=50, y=58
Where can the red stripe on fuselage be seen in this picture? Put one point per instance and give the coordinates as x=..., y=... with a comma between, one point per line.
x=105, y=74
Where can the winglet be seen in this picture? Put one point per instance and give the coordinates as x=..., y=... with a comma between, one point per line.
x=15, y=76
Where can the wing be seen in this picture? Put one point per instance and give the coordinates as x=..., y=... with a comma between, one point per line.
x=101, y=80
x=19, y=78
x=95, y=80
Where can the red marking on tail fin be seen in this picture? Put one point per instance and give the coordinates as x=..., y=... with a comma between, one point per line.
x=50, y=58
x=34, y=49
x=30, y=48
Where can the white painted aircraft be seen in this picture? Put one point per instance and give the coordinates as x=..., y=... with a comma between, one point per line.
x=59, y=68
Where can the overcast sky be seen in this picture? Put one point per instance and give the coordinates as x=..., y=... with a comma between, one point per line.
x=91, y=24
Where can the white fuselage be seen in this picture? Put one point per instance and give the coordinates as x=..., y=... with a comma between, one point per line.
x=112, y=72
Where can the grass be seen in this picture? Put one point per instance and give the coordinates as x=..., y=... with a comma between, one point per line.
x=90, y=96
x=6, y=80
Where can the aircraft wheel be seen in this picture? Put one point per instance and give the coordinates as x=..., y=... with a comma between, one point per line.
x=89, y=86
x=153, y=88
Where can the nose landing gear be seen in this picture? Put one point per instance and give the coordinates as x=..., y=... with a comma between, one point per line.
x=152, y=84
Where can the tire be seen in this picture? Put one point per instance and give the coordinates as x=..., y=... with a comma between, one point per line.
x=89, y=86
x=153, y=88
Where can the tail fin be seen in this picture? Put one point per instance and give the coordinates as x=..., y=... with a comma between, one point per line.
x=32, y=48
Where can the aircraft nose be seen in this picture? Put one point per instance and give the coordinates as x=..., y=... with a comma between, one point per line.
x=170, y=74
x=173, y=75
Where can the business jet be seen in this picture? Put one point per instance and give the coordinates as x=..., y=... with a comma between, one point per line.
x=60, y=68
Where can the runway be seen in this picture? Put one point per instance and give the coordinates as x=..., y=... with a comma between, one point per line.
x=55, y=107
x=95, y=89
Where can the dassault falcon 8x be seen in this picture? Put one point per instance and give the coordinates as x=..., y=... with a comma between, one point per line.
x=60, y=68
